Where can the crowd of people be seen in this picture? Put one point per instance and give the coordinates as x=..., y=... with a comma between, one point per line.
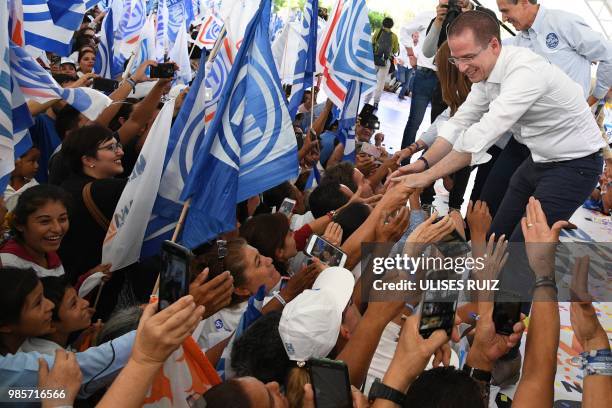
x=262, y=311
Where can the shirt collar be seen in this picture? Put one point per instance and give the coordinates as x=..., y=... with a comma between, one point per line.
x=539, y=20
x=497, y=74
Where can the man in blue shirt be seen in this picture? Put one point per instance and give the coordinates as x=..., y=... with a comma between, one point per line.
x=565, y=40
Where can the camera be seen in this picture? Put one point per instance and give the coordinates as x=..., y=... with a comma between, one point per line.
x=165, y=70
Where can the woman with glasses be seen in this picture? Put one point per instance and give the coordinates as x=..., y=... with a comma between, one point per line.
x=94, y=156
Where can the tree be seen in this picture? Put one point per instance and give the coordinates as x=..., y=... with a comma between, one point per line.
x=376, y=18
x=278, y=4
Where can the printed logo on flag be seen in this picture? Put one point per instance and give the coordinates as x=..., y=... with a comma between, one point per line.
x=209, y=32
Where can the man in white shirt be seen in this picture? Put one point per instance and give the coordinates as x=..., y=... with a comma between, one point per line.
x=515, y=89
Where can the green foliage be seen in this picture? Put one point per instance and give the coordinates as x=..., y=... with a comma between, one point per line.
x=376, y=18
x=279, y=4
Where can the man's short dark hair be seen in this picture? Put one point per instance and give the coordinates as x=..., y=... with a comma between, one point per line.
x=326, y=197
x=341, y=173
x=387, y=22
x=444, y=387
x=481, y=24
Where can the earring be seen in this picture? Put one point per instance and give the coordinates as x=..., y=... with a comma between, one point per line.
x=92, y=166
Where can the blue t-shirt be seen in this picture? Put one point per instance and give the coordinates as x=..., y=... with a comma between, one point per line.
x=45, y=137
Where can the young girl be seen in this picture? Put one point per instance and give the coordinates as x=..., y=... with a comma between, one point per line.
x=71, y=315
x=22, y=177
x=39, y=223
x=24, y=310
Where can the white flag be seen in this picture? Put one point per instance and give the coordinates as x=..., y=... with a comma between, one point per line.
x=127, y=228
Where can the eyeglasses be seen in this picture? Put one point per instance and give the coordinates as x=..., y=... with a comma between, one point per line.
x=465, y=60
x=113, y=147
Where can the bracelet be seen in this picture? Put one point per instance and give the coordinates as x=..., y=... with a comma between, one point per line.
x=331, y=215
x=477, y=374
x=545, y=281
x=276, y=295
x=425, y=161
x=595, y=362
x=131, y=82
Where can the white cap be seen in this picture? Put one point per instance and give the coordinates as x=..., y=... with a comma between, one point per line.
x=310, y=323
x=66, y=60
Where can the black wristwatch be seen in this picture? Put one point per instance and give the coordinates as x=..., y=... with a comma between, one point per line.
x=478, y=375
x=380, y=390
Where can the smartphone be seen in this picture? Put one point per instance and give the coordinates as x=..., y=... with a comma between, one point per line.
x=326, y=252
x=453, y=244
x=506, y=312
x=287, y=207
x=162, y=70
x=174, y=274
x=105, y=85
x=439, y=306
x=371, y=150
x=330, y=383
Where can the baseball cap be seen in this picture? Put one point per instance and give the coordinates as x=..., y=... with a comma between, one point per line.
x=310, y=323
x=66, y=60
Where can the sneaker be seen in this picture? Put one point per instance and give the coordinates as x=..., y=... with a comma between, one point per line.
x=507, y=372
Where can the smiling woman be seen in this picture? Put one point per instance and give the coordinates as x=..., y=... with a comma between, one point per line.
x=40, y=221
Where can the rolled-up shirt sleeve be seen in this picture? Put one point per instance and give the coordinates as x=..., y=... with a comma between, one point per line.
x=520, y=89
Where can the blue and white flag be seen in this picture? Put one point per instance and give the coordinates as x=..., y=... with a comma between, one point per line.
x=146, y=45
x=217, y=72
x=276, y=26
x=67, y=13
x=15, y=117
x=105, y=64
x=179, y=54
x=348, y=120
x=126, y=40
x=37, y=84
x=161, y=33
x=314, y=178
x=346, y=51
x=209, y=32
x=126, y=231
x=250, y=145
x=306, y=63
x=178, y=16
x=185, y=138
x=41, y=31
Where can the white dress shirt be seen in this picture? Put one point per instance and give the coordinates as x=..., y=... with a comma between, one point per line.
x=536, y=100
x=567, y=41
x=422, y=60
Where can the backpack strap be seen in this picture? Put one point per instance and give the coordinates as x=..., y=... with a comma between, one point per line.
x=93, y=209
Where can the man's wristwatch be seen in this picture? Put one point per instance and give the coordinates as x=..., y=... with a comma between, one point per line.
x=380, y=390
x=478, y=375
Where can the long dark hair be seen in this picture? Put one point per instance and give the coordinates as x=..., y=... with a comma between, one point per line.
x=31, y=200
x=455, y=86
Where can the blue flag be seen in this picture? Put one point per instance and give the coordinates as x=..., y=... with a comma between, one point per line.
x=105, y=64
x=250, y=145
x=306, y=64
x=348, y=120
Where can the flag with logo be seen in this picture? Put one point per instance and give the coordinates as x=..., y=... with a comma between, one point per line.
x=346, y=51
x=40, y=30
x=217, y=72
x=209, y=32
x=130, y=27
x=185, y=138
x=305, y=65
x=37, y=84
x=105, y=64
x=67, y=13
x=146, y=44
x=127, y=227
x=250, y=145
x=236, y=15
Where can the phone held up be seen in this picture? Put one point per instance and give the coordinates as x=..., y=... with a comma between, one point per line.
x=438, y=307
x=174, y=274
x=318, y=247
x=330, y=383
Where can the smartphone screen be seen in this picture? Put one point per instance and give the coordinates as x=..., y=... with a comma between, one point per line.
x=439, y=305
x=287, y=207
x=506, y=312
x=165, y=70
x=326, y=252
x=174, y=274
x=330, y=383
x=453, y=244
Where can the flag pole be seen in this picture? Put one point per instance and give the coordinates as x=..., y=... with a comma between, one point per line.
x=185, y=210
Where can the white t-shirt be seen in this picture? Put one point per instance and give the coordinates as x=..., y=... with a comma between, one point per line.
x=422, y=60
